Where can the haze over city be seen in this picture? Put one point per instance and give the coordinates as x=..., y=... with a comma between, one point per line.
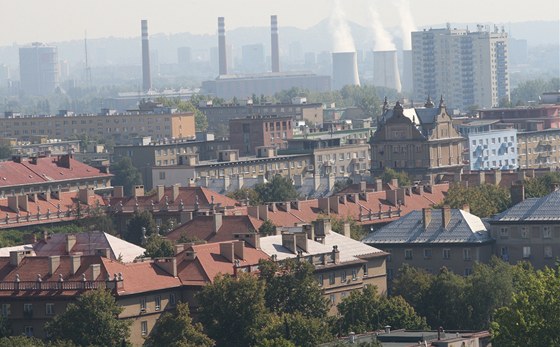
x=52, y=21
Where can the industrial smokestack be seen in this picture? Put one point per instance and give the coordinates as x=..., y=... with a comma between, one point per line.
x=274, y=52
x=345, y=69
x=146, y=75
x=386, y=70
x=222, y=46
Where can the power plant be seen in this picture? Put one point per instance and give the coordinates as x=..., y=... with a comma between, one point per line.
x=222, y=46
x=386, y=70
x=274, y=50
x=345, y=69
x=146, y=75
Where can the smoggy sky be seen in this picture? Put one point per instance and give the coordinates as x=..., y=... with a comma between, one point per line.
x=25, y=21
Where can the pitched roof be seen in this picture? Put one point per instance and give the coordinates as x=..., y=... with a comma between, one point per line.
x=202, y=228
x=463, y=227
x=533, y=209
x=45, y=169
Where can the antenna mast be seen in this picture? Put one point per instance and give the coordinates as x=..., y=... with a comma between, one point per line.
x=88, y=69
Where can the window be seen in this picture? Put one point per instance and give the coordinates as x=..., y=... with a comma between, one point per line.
x=526, y=252
x=158, y=302
x=408, y=254
x=365, y=269
x=524, y=233
x=27, y=309
x=466, y=254
x=503, y=233
x=28, y=330
x=548, y=252
x=6, y=310
x=546, y=233
x=162, y=175
x=144, y=327
x=427, y=253
x=49, y=309
x=332, y=298
x=143, y=305
x=320, y=280
x=354, y=274
x=331, y=278
x=343, y=277
x=172, y=301
x=468, y=271
x=446, y=253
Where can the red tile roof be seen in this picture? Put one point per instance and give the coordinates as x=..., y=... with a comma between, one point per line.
x=202, y=228
x=45, y=169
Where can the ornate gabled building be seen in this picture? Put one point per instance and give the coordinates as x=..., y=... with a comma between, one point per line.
x=418, y=141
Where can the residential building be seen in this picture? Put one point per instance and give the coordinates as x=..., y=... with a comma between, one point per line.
x=493, y=150
x=246, y=134
x=43, y=146
x=120, y=127
x=146, y=154
x=216, y=227
x=525, y=118
x=36, y=288
x=342, y=264
x=468, y=67
x=418, y=141
x=528, y=231
x=434, y=238
x=39, y=69
x=539, y=149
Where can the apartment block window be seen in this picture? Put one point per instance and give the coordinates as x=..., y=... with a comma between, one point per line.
x=526, y=252
x=332, y=298
x=354, y=274
x=427, y=253
x=6, y=310
x=547, y=252
x=144, y=327
x=49, y=309
x=547, y=234
x=172, y=300
x=320, y=280
x=158, y=302
x=468, y=271
x=28, y=330
x=503, y=233
x=331, y=278
x=343, y=277
x=162, y=175
x=365, y=270
x=446, y=253
x=408, y=254
x=524, y=233
x=143, y=304
x=466, y=254
x=27, y=310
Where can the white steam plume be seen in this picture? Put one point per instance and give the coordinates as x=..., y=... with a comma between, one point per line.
x=342, y=38
x=383, y=40
x=406, y=22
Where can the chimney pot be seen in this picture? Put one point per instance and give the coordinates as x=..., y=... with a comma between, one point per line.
x=445, y=216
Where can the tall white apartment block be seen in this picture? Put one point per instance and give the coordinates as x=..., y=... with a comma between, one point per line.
x=469, y=68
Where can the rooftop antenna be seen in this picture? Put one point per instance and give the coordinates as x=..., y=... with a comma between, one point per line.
x=88, y=69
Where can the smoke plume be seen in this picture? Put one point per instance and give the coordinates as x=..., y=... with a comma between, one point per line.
x=406, y=22
x=342, y=38
x=382, y=38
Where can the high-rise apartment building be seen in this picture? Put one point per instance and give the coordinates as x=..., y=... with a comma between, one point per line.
x=470, y=68
x=38, y=69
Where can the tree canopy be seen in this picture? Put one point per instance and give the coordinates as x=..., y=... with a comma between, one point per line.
x=158, y=247
x=540, y=186
x=484, y=200
x=200, y=119
x=401, y=176
x=178, y=330
x=245, y=194
x=126, y=175
x=279, y=188
x=139, y=222
x=267, y=228
x=91, y=321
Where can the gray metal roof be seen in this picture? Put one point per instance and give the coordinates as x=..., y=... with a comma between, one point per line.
x=463, y=227
x=542, y=209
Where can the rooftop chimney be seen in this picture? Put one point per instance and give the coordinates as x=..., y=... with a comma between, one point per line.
x=54, y=262
x=146, y=75
x=95, y=271
x=517, y=191
x=238, y=249
x=217, y=221
x=227, y=251
x=75, y=261
x=445, y=216
x=275, y=52
x=426, y=216
x=16, y=257
x=222, y=46
x=70, y=242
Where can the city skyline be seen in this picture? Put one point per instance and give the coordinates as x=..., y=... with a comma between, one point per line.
x=120, y=19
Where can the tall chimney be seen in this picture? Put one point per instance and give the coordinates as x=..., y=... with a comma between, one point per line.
x=222, y=46
x=146, y=75
x=274, y=51
x=445, y=216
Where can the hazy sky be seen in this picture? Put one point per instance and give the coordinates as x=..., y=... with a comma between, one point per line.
x=25, y=21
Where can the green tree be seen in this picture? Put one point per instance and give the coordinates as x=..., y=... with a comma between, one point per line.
x=139, y=222
x=532, y=318
x=413, y=285
x=267, y=228
x=20, y=341
x=178, y=330
x=278, y=189
x=5, y=152
x=245, y=194
x=484, y=200
x=532, y=90
x=200, y=119
x=290, y=287
x=445, y=302
x=5, y=327
x=356, y=230
x=540, y=186
x=402, y=177
x=126, y=175
x=301, y=331
x=158, y=247
x=342, y=184
x=232, y=310
x=91, y=321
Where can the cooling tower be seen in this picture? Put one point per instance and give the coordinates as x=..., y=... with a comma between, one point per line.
x=222, y=46
x=407, y=71
x=345, y=69
x=146, y=75
x=386, y=70
x=274, y=51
